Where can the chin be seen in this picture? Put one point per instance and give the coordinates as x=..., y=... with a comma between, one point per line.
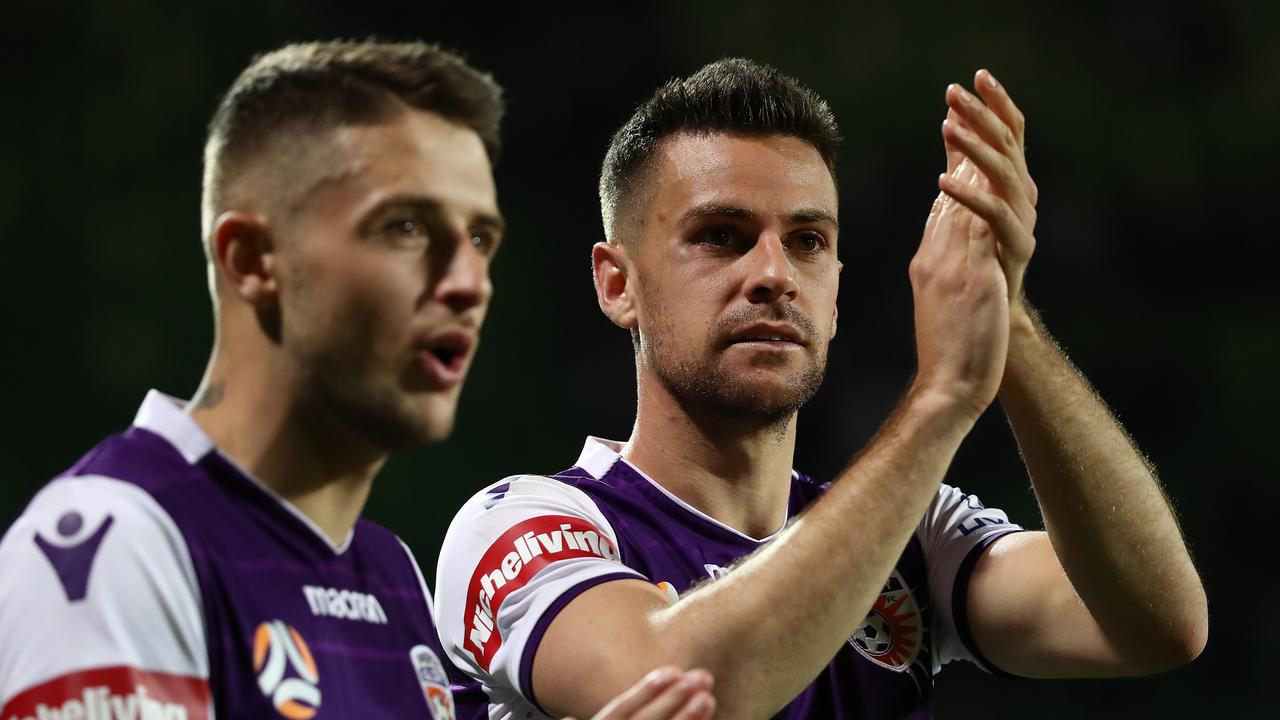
x=397, y=424
x=432, y=421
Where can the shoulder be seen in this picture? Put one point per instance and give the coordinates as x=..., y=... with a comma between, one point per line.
x=74, y=511
x=525, y=495
x=517, y=552
x=953, y=512
x=138, y=457
x=90, y=564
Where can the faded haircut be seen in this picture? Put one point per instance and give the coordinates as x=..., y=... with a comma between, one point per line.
x=307, y=88
x=732, y=96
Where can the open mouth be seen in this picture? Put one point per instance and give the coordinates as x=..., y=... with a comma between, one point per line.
x=448, y=357
x=445, y=355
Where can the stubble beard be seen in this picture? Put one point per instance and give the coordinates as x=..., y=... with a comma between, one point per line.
x=706, y=388
x=381, y=413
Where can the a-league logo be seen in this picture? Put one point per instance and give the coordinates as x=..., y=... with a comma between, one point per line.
x=287, y=672
x=434, y=681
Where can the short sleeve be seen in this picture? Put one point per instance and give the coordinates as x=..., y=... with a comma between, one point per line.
x=954, y=532
x=515, y=555
x=99, y=603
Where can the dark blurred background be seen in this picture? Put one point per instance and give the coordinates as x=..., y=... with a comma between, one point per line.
x=1152, y=136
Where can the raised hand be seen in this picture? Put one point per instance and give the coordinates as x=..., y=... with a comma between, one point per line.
x=990, y=132
x=961, y=301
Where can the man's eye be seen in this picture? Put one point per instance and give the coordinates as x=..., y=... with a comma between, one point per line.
x=808, y=242
x=719, y=236
x=484, y=241
x=406, y=229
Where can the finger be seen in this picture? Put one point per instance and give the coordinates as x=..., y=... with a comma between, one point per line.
x=954, y=156
x=981, y=246
x=700, y=679
x=941, y=201
x=643, y=692
x=982, y=119
x=1004, y=177
x=935, y=239
x=1015, y=241
x=670, y=702
x=994, y=127
x=700, y=706
x=958, y=221
x=998, y=99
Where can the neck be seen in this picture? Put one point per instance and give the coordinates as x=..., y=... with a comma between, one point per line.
x=735, y=469
x=256, y=415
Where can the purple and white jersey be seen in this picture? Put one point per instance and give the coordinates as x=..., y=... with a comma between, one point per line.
x=529, y=545
x=155, y=579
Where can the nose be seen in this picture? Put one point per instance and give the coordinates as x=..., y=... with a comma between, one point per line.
x=463, y=280
x=770, y=278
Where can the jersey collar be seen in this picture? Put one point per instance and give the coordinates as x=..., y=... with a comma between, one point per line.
x=167, y=417
x=599, y=456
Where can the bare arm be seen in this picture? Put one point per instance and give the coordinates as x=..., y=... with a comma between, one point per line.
x=1109, y=525
x=1110, y=589
x=768, y=628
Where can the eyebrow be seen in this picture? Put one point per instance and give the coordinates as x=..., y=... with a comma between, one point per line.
x=430, y=205
x=736, y=212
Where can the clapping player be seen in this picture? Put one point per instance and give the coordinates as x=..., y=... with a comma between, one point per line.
x=694, y=542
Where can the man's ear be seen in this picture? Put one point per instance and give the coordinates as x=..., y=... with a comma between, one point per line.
x=244, y=254
x=614, y=290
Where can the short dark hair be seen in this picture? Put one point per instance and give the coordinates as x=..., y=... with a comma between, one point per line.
x=732, y=95
x=319, y=85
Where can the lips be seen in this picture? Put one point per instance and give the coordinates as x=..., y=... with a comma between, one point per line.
x=444, y=355
x=780, y=334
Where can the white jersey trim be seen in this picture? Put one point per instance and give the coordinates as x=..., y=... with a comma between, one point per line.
x=426, y=591
x=955, y=530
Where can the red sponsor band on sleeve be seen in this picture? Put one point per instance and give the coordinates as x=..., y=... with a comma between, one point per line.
x=112, y=692
x=512, y=560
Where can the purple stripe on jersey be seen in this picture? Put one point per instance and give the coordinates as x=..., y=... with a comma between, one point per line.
x=960, y=603
x=544, y=622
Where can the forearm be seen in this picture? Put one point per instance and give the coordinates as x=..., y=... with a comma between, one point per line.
x=768, y=627
x=1109, y=522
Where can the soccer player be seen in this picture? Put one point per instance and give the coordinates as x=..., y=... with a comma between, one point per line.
x=696, y=543
x=210, y=560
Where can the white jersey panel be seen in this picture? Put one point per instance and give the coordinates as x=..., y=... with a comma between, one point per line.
x=96, y=574
x=512, y=556
x=955, y=526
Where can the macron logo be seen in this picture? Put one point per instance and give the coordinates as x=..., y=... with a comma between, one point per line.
x=510, y=562
x=345, y=604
